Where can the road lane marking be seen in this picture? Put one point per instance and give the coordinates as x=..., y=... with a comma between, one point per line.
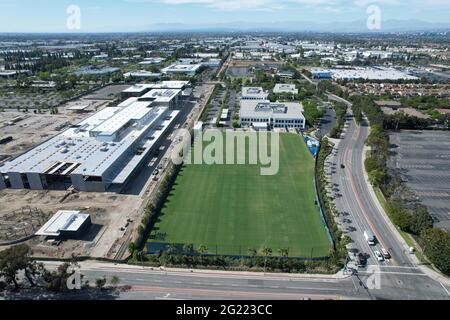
x=444, y=288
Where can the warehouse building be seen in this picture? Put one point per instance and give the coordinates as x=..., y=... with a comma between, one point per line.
x=265, y=114
x=139, y=90
x=102, y=152
x=354, y=73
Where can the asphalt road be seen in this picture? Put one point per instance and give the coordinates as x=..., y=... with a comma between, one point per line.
x=401, y=278
x=148, y=283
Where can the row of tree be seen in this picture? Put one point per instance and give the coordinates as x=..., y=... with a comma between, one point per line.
x=407, y=215
x=16, y=262
x=341, y=113
x=339, y=255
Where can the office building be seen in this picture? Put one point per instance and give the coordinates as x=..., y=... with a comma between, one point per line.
x=256, y=113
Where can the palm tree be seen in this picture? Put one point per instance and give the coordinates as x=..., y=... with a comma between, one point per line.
x=267, y=252
x=202, y=249
x=188, y=248
x=171, y=248
x=284, y=252
x=252, y=252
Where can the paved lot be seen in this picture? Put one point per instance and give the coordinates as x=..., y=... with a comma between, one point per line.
x=423, y=160
x=108, y=92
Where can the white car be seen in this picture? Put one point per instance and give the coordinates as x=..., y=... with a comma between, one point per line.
x=385, y=253
x=379, y=256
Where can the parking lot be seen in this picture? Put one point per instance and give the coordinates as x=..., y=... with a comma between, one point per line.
x=216, y=106
x=422, y=158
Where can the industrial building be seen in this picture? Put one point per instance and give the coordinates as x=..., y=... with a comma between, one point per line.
x=101, y=153
x=139, y=90
x=265, y=114
x=372, y=73
x=66, y=224
x=321, y=74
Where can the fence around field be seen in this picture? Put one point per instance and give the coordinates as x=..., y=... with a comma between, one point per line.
x=323, y=215
x=234, y=252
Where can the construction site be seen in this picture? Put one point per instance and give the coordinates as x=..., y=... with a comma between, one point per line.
x=114, y=215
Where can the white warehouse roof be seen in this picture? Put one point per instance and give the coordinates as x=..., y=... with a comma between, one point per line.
x=63, y=220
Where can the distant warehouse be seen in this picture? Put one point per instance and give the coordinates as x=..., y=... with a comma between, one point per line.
x=101, y=153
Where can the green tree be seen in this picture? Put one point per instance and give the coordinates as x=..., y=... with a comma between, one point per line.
x=436, y=246
x=100, y=283
x=267, y=252
x=115, y=280
x=399, y=215
x=420, y=220
x=15, y=259
x=252, y=252
x=284, y=252
x=202, y=249
x=131, y=247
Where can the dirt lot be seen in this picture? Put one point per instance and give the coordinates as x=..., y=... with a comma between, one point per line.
x=109, y=212
x=34, y=128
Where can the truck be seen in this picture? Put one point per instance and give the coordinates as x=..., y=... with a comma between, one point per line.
x=370, y=238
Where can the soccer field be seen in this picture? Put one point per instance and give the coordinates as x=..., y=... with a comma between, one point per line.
x=231, y=209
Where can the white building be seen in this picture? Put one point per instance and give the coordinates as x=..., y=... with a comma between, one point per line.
x=139, y=90
x=186, y=69
x=253, y=93
x=373, y=73
x=285, y=88
x=254, y=113
x=65, y=224
x=101, y=153
x=142, y=74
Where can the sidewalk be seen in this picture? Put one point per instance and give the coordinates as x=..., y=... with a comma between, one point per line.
x=97, y=266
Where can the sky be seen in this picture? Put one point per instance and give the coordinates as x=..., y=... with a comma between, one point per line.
x=140, y=15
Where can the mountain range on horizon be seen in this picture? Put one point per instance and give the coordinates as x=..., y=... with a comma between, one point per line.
x=357, y=26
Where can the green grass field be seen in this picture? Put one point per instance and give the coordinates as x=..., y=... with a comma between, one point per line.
x=232, y=208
